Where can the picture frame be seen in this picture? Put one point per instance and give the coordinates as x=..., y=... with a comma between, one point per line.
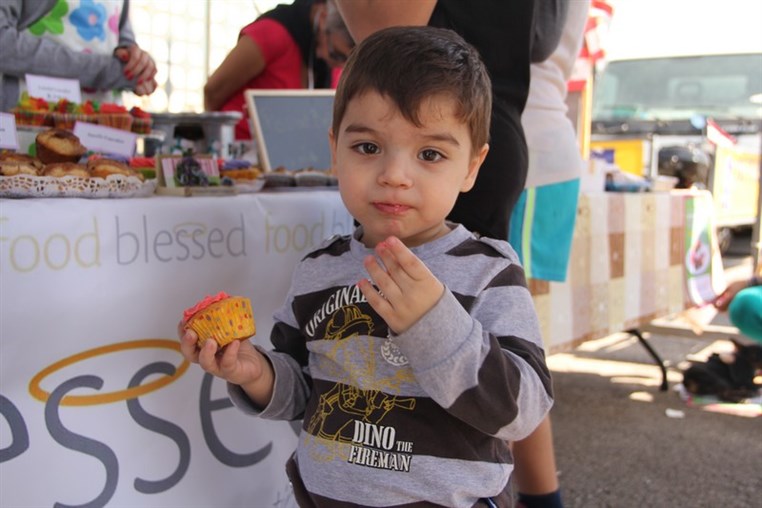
x=290, y=128
x=181, y=175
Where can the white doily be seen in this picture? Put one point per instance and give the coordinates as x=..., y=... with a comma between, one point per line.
x=113, y=186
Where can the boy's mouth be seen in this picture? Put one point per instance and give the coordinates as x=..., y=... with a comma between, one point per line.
x=391, y=208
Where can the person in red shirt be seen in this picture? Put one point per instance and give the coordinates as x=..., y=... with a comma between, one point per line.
x=300, y=45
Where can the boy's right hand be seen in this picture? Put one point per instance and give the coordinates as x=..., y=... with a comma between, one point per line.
x=239, y=362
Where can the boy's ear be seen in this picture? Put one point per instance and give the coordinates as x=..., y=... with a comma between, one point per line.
x=332, y=144
x=473, y=168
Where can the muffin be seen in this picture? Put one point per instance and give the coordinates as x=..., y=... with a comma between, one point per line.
x=222, y=318
x=58, y=145
x=12, y=164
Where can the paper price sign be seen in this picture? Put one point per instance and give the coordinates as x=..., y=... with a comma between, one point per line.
x=52, y=89
x=105, y=139
x=8, y=137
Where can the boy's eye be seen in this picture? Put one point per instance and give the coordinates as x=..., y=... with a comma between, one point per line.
x=366, y=148
x=430, y=155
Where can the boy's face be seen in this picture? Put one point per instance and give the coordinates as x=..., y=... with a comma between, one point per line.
x=399, y=179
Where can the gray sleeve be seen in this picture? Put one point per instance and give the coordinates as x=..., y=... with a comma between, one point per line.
x=290, y=391
x=126, y=35
x=488, y=369
x=550, y=17
x=22, y=53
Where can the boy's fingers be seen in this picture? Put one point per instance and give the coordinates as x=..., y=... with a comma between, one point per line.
x=207, y=356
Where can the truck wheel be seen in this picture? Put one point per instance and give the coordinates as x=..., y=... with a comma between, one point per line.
x=724, y=239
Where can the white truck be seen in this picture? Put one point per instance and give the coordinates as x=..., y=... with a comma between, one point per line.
x=677, y=76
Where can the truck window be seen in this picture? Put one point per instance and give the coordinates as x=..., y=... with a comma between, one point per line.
x=719, y=86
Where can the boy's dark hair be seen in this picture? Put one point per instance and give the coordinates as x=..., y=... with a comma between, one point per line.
x=410, y=64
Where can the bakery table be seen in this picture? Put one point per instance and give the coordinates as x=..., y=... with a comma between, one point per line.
x=98, y=406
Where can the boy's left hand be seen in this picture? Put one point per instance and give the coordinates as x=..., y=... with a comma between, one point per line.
x=406, y=288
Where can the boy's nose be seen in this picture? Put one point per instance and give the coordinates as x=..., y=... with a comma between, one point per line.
x=395, y=173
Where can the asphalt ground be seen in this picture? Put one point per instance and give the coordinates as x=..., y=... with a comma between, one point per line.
x=622, y=442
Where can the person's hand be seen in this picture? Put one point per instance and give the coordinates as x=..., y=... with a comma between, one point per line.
x=146, y=87
x=406, y=288
x=139, y=66
x=239, y=362
x=724, y=299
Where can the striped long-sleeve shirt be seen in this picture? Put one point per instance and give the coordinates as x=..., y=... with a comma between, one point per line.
x=415, y=418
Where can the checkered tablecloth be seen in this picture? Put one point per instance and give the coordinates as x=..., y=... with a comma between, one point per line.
x=627, y=266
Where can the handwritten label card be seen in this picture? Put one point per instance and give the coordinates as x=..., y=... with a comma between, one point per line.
x=105, y=139
x=8, y=137
x=52, y=89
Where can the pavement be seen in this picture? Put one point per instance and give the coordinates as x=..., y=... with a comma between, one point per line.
x=621, y=442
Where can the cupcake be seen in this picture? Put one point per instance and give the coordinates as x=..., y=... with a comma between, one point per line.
x=32, y=111
x=114, y=116
x=222, y=318
x=58, y=145
x=66, y=113
x=141, y=121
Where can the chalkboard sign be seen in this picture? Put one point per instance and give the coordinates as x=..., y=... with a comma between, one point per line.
x=291, y=127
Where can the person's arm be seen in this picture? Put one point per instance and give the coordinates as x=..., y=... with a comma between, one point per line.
x=22, y=53
x=723, y=300
x=484, y=365
x=550, y=18
x=241, y=65
x=363, y=17
x=139, y=65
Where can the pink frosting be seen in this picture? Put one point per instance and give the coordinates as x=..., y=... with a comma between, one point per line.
x=203, y=304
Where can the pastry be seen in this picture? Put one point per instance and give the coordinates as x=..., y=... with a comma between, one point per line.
x=222, y=318
x=12, y=163
x=58, y=145
x=101, y=168
x=59, y=169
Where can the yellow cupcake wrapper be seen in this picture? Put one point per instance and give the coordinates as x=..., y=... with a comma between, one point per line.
x=224, y=321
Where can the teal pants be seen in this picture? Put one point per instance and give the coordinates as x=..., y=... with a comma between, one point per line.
x=745, y=312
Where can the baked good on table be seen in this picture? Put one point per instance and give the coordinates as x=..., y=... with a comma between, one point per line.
x=32, y=111
x=222, y=318
x=12, y=163
x=114, y=116
x=239, y=169
x=146, y=166
x=66, y=113
x=279, y=177
x=310, y=177
x=141, y=121
x=60, y=169
x=101, y=168
x=59, y=145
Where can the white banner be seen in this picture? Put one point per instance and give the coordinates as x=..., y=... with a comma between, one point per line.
x=98, y=407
